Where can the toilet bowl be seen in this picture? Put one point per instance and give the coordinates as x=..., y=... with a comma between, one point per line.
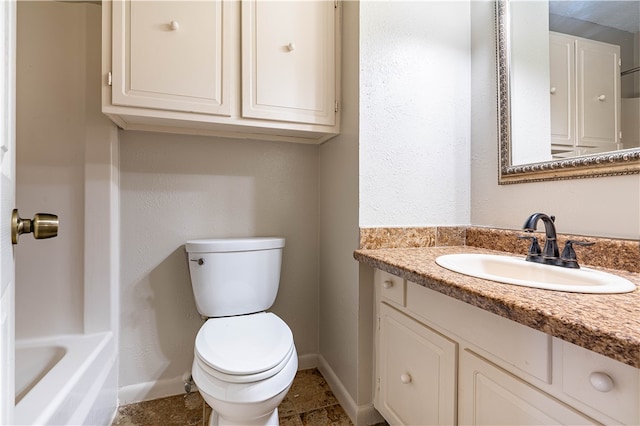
x=244, y=359
x=244, y=366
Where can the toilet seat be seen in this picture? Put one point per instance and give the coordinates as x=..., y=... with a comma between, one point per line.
x=245, y=348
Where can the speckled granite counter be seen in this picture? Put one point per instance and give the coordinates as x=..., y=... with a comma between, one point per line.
x=605, y=323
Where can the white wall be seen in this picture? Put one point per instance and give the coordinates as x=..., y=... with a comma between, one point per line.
x=414, y=113
x=608, y=207
x=339, y=233
x=401, y=160
x=175, y=188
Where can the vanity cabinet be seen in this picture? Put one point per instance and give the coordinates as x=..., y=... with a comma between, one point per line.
x=252, y=69
x=442, y=361
x=585, y=95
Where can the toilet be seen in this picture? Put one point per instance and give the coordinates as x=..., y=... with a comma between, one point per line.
x=244, y=357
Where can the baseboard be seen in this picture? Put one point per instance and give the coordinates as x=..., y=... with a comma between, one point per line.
x=308, y=361
x=360, y=415
x=150, y=390
x=175, y=386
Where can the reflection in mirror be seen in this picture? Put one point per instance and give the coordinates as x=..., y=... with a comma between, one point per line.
x=569, y=88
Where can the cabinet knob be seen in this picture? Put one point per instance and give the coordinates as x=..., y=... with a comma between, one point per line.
x=601, y=382
x=291, y=47
x=174, y=25
x=553, y=90
x=405, y=378
x=602, y=97
x=387, y=284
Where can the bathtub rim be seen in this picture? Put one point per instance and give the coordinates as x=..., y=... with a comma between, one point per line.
x=42, y=403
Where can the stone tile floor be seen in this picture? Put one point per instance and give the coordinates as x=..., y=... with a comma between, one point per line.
x=309, y=402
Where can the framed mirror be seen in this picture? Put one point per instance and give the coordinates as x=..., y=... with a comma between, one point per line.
x=568, y=89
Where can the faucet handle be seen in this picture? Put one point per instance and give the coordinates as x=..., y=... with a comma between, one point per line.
x=534, y=249
x=569, y=255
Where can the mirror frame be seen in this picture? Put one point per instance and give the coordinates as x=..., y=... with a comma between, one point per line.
x=614, y=163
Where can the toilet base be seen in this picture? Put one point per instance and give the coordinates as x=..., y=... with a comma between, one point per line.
x=268, y=420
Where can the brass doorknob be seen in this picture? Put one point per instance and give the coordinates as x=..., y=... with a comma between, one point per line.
x=43, y=225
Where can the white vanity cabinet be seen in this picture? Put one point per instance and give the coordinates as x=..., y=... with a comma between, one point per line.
x=442, y=361
x=585, y=95
x=251, y=69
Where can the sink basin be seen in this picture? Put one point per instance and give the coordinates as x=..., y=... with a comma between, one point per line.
x=517, y=271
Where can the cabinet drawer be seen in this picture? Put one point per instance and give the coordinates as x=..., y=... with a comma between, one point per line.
x=390, y=287
x=606, y=385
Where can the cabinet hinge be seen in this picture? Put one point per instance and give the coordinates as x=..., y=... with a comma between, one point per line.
x=109, y=79
x=619, y=62
x=336, y=107
x=378, y=384
x=620, y=135
x=335, y=4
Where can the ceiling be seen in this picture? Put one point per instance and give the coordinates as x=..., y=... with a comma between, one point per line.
x=623, y=15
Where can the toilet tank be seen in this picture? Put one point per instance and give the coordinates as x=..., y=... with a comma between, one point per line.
x=234, y=276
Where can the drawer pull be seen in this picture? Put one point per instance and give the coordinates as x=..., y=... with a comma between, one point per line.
x=405, y=378
x=387, y=284
x=601, y=382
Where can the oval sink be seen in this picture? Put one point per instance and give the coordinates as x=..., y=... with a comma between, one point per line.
x=517, y=271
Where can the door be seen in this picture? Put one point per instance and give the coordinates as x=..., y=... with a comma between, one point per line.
x=288, y=61
x=7, y=197
x=598, y=91
x=172, y=55
x=416, y=373
x=489, y=395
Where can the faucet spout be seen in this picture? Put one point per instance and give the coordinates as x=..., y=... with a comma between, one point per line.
x=550, y=250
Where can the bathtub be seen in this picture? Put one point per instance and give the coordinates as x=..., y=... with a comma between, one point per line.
x=61, y=379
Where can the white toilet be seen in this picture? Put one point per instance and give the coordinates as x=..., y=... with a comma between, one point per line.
x=244, y=358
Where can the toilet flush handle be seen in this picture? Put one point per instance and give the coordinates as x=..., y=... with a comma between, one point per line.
x=200, y=261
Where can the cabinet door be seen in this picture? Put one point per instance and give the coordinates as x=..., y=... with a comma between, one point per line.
x=598, y=91
x=416, y=372
x=491, y=396
x=562, y=72
x=288, y=61
x=172, y=55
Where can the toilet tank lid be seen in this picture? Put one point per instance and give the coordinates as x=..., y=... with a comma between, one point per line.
x=218, y=245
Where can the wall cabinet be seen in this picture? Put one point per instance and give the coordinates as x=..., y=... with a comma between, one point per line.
x=252, y=69
x=442, y=361
x=585, y=95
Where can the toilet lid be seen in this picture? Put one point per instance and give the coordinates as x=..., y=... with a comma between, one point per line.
x=246, y=344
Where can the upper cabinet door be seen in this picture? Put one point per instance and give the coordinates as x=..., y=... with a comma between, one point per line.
x=288, y=61
x=172, y=55
x=562, y=75
x=598, y=89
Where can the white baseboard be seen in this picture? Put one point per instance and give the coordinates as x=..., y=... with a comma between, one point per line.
x=175, y=386
x=150, y=390
x=360, y=415
x=308, y=361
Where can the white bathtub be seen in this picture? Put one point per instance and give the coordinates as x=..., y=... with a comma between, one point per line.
x=60, y=379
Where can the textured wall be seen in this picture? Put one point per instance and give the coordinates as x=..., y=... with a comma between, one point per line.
x=414, y=113
x=175, y=188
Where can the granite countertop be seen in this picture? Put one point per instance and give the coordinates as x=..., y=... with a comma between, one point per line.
x=608, y=324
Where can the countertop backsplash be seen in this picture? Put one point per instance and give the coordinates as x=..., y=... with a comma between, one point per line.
x=608, y=253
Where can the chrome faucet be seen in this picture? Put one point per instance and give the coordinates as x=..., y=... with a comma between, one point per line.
x=550, y=254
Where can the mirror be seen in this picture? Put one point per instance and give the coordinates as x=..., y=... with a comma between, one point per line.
x=569, y=106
